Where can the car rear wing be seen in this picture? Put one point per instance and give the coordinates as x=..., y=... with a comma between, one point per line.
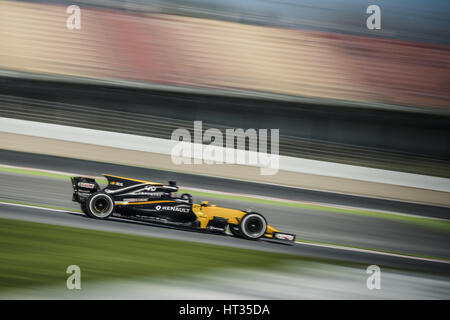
x=83, y=187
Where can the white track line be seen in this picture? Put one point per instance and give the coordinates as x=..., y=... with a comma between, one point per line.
x=38, y=207
x=329, y=246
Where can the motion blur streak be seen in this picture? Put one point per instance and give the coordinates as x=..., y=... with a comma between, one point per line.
x=289, y=281
x=337, y=92
x=200, y=52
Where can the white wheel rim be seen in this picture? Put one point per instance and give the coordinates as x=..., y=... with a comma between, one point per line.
x=101, y=214
x=253, y=234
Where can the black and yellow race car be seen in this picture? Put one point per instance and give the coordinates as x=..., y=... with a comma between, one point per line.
x=156, y=202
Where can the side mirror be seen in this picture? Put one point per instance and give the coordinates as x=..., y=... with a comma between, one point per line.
x=205, y=203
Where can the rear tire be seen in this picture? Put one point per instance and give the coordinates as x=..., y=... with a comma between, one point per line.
x=99, y=205
x=83, y=208
x=252, y=226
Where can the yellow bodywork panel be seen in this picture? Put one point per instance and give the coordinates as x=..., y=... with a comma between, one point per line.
x=269, y=231
x=205, y=213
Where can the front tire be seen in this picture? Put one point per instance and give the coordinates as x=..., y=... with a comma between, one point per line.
x=99, y=205
x=252, y=226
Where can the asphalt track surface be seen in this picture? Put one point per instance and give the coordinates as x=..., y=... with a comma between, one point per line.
x=315, y=225
x=94, y=168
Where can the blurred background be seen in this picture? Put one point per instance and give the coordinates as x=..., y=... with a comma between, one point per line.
x=337, y=91
x=298, y=48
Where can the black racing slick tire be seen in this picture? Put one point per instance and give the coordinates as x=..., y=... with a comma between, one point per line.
x=99, y=205
x=83, y=208
x=252, y=226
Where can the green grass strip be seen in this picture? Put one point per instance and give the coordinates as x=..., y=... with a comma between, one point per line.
x=37, y=254
x=38, y=173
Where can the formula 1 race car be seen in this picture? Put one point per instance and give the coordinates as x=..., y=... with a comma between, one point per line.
x=155, y=202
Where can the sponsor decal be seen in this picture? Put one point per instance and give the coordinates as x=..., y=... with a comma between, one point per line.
x=283, y=236
x=146, y=194
x=156, y=194
x=115, y=183
x=135, y=199
x=172, y=208
x=86, y=185
x=150, y=188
